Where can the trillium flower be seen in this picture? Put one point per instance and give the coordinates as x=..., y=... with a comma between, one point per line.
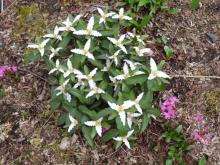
x=57, y=67
x=104, y=15
x=155, y=72
x=73, y=123
x=132, y=65
x=94, y=90
x=68, y=24
x=141, y=52
x=124, y=139
x=121, y=109
x=115, y=57
x=62, y=89
x=54, y=52
x=121, y=15
x=54, y=35
x=136, y=102
x=118, y=42
x=85, y=50
x=130, y=116
x=88, y=77
x=79, y=83
x=97, y=124
x=139, y=39
x=125, y=75
x=71, y=69
x=129, y=35
x=115, y=82
x=89, y=30
x=40, y=47
x=108, y=65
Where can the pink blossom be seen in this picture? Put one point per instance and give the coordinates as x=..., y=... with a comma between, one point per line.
x=6, y=68
x=203, y=138
x=167, y=108
x=196, y=136
x=199, y=118
x=14, y=68
x=105, y=129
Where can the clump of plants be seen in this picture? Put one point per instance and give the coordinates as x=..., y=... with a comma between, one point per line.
x=103, y=79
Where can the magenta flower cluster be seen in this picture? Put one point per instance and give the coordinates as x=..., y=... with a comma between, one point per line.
x=168, y=108
x=201, y=132
x=5, y=68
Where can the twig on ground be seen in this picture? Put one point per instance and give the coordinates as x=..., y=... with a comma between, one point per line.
x=4, y=11
x=32, y=73
x=134, y=155
x=196, y=76
x=112, y=153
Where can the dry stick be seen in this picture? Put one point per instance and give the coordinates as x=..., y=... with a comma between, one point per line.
x=3, y=12
x=34, y=74
x=191, y=76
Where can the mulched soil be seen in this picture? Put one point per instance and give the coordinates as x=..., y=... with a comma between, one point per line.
x=28, y=131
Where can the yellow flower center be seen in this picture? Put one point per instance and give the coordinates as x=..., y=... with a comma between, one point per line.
x=120, y=108
x=97, y=123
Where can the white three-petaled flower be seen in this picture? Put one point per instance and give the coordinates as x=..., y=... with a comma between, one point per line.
x=141, y=52
x=73, y=123
x=68, y=24
x=71, y=69
x=115, y=82
x=125, y=75
x=130, y=116
x=136, y=102
x=121, y=109
x=124, y=139
x=138, y=37
x=104, y=15
x=88, y=77
x=89, y=30
x=118, y=42
x=155, y=72
x=85, y=50
x=54, y=52
x=97, y=124
x=94, y=89
x=133, y=65
x=40, y=47
x=57, y=67
x=121, y=15
x=54, y=35
x=80, y=82
x=62, y=89
x=115, y=57
x=108, y=65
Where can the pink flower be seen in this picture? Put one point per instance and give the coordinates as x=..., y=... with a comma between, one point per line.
x=207, y=139
x=196, y=136
x=14, y=68
x=167, y=108
x=5, y=68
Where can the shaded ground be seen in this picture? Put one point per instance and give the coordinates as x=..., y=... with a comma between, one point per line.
x=28, y=132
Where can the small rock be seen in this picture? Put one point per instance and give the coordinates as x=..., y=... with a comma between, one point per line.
x=65, y=143
x=212, y=37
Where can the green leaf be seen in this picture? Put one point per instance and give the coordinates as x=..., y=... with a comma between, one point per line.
x=105, y=112
x=142, y=3
x=87, y=134
x=138, y=79
x=86, y=111
x=31, y=56
x=65, y=41
x=53, y=80
x=55, y=103
x=179, y=129
x=117, y=144
x=109, y=135
x=145, y=21
x=62, y=119
x=194, y=4
x=169, y=162
x=168, y=51
x=174, y=11
x=202, y=161
x=145, y=121
x=77, y=94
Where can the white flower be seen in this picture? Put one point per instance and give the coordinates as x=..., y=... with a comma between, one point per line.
x=125, y=75
x=155, y=72
x=115, y=57
x=121, y=109
x=129, y=35
x=73, y=123
x=89, y=30
x=136, y=102
x=115, y=82
x=124, y=139
x=40, y=47
x=79, y=83
x=68, y=24
x=97, y=124
x=54, y=52
x=118, y=42
x=108, y=65
x=130, y=116
x=121, y=15
x=88, y=77
x=71, y=69
x=104, y=15
x=62, y=89
x=54, y=35
x=57, y=67
x=141, y=52
x=132, y=65
x=85, y=50
x=94, y=90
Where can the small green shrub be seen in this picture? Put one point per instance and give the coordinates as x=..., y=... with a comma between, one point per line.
x=100, y=77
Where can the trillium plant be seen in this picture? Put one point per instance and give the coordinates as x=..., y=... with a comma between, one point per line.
x=101, y=79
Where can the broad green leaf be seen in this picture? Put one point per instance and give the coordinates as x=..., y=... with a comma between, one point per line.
x=174, y=11
x=62, y=119
x=169, y=162
x=194, y=4
x=202, y=161
x=138, y=79
x=65, y=41
x=87, y=134
x=77, y=94
x=145, y=121
x=105, y=112
x=31, y=56
x=86, y=111
x=109, y=135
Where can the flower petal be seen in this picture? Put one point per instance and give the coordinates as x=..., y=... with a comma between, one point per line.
x=80, y=32
x=113, y=105
x=90, y=123
x=153, y=65
x=122, y=116
x=162, y=74
x=78, y=51
x=91, y=23
x=127, y=104
x=99, y=130
x=127, y=143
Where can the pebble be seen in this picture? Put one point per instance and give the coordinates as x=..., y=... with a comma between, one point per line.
x=212, y=37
